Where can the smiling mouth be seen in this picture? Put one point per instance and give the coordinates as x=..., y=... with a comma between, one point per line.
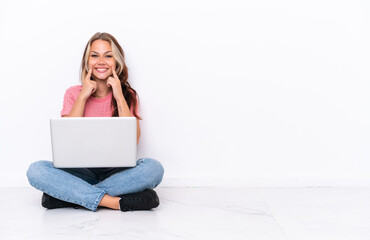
x=101, y=70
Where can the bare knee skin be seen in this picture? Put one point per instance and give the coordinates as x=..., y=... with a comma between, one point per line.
x=110, y=202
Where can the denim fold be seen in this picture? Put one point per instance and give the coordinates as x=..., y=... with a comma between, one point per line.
x=87, y=186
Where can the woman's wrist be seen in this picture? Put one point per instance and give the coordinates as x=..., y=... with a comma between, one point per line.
x=121, y=100
x=81, y=98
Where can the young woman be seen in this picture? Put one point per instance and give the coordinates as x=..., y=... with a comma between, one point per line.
x=105, y=92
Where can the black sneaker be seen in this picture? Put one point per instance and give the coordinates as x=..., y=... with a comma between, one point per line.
x=144, y=200
x=50, y=202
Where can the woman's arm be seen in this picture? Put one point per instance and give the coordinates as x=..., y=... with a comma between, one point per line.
x=78, y=107
x=88, y=87
x=138, y=131
x=124, y=111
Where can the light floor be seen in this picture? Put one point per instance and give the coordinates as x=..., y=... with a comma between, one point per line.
x=199, y=213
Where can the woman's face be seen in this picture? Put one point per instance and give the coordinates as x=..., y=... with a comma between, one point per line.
x=102, y=60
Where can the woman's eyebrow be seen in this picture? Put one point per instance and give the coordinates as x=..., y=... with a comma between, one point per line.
x=104, y=53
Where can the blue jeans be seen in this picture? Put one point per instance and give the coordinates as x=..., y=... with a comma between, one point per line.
x=87, y=186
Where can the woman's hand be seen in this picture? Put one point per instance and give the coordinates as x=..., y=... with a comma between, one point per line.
x=88, y=86
x=115, y=83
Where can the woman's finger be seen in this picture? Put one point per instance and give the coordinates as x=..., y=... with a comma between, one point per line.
x=88, y=76
x=114, y=72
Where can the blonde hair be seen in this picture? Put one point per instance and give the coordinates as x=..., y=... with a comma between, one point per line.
x=129, y=93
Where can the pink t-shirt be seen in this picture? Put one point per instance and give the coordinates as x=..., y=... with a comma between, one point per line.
x=94, y=107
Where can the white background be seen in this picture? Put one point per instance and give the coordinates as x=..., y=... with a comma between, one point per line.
x=256, y=93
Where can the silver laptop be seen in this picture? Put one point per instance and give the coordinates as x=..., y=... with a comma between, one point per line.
x=89, y=142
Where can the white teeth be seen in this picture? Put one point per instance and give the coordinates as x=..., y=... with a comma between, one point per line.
x=101, y=69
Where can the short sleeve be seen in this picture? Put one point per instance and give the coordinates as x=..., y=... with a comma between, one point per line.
x=68, y=102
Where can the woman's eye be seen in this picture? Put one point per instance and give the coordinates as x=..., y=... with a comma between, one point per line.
x=97, y=55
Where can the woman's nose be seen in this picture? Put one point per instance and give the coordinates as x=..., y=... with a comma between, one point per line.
x=101, y=61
